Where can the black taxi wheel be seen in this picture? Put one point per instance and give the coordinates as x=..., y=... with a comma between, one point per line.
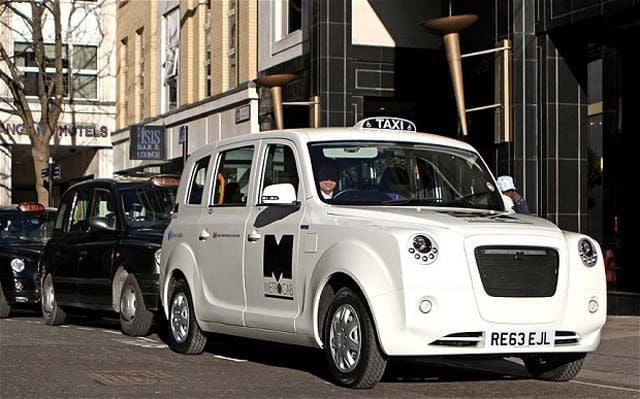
x=52, y=313
x=185, y=336
x=135, y=319
x=5, y=309
x=558, y=367
x=350, y=344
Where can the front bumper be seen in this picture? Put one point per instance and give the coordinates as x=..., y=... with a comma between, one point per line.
x=454, y=326
x=21, y=290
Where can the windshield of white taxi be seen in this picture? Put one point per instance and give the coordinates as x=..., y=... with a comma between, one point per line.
x=393, y=174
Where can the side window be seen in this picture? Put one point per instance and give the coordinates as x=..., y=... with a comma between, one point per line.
x=232, y=177
x=78, y=217
x=63, y=214
x=280, y=167
x=103, y=207
x=197, y=181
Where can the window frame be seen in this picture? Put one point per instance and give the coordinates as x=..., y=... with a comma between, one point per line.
x=263, y=163
x=192, y=177
x=214, y=184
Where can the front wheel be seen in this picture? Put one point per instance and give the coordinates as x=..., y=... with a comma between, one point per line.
x=555, y=367
x=185, y=335
x=5, y=309
x=135, y=319
x=350, y=344
x=52, y=313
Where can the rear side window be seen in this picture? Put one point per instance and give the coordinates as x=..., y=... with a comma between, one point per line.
x=196, y=186
x=232, y=177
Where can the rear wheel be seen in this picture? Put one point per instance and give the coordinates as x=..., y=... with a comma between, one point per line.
x=135, y=319
x=5, y=309
x=52, y=313
x=185, y=335
x=555, y=367
x=350, y=344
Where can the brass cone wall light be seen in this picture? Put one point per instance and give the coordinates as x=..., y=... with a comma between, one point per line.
x=449, y=27
x=275, y=82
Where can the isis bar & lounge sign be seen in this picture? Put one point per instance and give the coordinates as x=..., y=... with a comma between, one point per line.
x=147, y=143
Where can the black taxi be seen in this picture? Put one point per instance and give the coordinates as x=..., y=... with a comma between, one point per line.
x=104, y=253
x=24, y=230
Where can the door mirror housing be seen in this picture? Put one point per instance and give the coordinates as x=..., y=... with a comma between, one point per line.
x=279, y=194
x=101, y=224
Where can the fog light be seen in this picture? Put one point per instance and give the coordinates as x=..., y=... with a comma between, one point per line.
x=593, y=306
x=18, y=285
x=425, y=306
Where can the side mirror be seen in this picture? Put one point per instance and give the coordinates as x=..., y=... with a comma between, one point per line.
x=279, y=194
x=100, y=224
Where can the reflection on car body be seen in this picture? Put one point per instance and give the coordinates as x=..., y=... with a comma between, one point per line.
x=413, y=254
x=104, y=253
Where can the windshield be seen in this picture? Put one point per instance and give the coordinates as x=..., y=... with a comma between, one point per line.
x=148, y=207
x=392, y=174
x=29, y=226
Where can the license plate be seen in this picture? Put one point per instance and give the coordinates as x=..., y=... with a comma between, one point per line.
x=519, y=339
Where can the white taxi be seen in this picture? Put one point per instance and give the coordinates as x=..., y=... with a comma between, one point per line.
x=370, y=244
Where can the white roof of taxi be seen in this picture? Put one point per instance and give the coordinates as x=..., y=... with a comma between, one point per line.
x=343, y=134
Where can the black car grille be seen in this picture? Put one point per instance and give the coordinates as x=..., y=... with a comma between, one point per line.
x=508, y=271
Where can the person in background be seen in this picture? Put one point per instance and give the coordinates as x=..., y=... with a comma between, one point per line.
x=506, y=186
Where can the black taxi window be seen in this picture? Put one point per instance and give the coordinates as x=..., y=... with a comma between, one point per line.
x=79, y=213
x=148, y=207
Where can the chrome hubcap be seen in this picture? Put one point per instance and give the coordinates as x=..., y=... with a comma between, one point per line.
x=179, y=318
x=48, y=297
x=344, y=338
x=128, y=304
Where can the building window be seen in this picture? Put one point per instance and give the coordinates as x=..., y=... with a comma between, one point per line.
x=140, y=72
x=288, y=14
x=171, y=44
x=123, y=76
x=207, y=46
x=84, y=71
x=232, y=40
x=294, y=16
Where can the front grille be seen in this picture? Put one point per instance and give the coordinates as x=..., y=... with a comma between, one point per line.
x=518, y=271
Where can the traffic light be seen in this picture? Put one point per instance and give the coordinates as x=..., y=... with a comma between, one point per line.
x=56, y=172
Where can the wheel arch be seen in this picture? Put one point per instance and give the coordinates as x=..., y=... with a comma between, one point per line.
x=181, y=264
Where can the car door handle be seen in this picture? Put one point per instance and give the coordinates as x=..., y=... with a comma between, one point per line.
x=254, y=236
x=204, y=234
x=82, y=255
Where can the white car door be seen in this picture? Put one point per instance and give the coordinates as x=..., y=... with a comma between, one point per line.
x=223, y=234
x=273, y=280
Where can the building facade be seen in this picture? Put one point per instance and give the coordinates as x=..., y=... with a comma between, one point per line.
x=183, y=66
x=573, y=79
x=82, y=142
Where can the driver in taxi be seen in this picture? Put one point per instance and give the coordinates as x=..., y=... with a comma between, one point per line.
x=327, y=176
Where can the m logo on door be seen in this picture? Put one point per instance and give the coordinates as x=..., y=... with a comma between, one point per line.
x=277, y=260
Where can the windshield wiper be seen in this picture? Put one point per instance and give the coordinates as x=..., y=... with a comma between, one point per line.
x=467, y=199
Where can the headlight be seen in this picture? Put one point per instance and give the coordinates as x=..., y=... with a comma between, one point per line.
x=17, y=265
x=423, y=249
x=588, y=253
x=156, y=259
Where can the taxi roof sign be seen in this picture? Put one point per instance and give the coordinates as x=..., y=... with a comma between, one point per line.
x=386, y=123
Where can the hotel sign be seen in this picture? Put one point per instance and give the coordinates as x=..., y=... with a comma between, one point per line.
x=147, y=143
x=80, y=134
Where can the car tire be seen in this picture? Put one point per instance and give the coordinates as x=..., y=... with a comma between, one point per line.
x=5, y=309
x=350, y=343
x=185, y=336
x=52, y=313
x=555, y=367
x=135, y=318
